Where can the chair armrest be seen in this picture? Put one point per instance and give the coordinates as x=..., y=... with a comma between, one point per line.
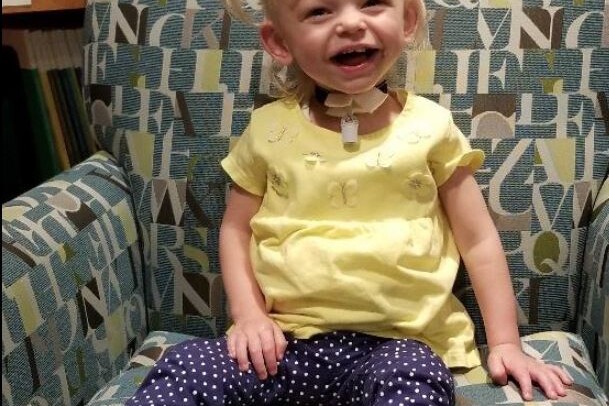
x=594, y=307
x=71, y=273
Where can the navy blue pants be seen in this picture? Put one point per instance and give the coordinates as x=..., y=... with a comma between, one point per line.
x=340, y=368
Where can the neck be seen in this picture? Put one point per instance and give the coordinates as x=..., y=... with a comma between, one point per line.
x=320, y=94
x=368, y=122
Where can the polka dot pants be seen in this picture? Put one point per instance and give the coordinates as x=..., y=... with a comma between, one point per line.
x=340, y=368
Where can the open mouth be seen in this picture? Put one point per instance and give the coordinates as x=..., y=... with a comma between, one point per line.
x=354, y=57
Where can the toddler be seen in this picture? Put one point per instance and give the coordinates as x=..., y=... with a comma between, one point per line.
x=351, y=208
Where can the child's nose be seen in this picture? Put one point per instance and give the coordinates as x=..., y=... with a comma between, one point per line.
x=350, y=22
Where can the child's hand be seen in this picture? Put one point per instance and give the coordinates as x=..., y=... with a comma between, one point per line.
x=262, y=339
x=508, y=359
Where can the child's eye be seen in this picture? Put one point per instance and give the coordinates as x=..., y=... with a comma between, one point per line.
x=317, y=12
x=372, y=3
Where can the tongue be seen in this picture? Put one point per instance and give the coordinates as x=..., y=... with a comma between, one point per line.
x=352, y=59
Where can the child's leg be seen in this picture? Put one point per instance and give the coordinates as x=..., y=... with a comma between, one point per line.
x=200, y=372
x=401, y=372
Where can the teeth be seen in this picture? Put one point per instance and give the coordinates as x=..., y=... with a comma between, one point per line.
x=352, y=51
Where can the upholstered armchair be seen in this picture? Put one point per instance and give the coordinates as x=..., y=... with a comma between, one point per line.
x=109, y=264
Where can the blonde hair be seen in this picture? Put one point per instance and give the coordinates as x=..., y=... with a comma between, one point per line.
x=292, y=81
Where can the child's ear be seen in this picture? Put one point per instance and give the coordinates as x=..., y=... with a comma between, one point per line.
x=411, y=21
x=274, y=44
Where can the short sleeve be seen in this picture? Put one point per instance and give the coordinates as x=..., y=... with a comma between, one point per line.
x=245, y=166
x=451, y=151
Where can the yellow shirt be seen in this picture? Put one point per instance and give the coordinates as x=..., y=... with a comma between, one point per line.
x=354, y=237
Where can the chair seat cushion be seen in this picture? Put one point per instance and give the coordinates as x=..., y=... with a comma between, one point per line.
x=474, y=386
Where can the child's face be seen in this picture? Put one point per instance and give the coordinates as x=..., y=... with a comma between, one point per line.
x=344, y=45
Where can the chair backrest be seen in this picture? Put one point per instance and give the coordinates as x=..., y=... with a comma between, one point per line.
x=168, y=83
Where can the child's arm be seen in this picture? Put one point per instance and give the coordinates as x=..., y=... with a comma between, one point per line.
x=480, y=247
x=254, y=336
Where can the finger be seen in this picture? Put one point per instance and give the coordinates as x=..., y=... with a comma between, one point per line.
x=559, y=386
x=522, y=377
x=280, y=342
x=241, y=352
x=230, y=345
x=497, y=370
x=557, y=375
x=543, y=377
x=562, y=374
x=267, y=342
x=256, y=356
